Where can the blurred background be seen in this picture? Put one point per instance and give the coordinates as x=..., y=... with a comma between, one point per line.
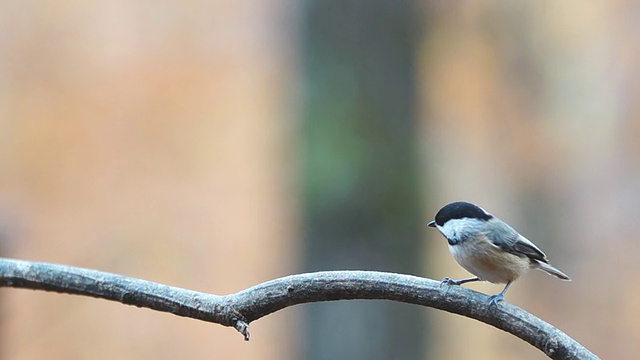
x=213, y=145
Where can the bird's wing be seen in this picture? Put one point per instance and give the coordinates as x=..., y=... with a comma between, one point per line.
x=507, y=239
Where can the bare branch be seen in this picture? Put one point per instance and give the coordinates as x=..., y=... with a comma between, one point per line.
x=239, y=309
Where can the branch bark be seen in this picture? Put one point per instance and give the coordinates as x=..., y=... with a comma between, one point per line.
x=241, y=308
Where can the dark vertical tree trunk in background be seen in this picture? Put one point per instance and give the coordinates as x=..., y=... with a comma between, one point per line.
x=4, y=239
x=359, y=170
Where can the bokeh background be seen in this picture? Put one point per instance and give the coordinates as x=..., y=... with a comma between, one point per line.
x=214, y=145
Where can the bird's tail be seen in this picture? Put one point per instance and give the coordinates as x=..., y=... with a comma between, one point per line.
x=552, y=271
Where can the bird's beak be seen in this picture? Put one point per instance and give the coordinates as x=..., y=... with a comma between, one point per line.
x=432, y=224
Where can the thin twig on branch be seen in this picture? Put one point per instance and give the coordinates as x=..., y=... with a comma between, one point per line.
x=240, y=309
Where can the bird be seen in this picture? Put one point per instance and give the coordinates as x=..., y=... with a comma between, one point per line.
x=488, y=247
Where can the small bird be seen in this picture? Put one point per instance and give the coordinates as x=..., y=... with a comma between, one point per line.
x=488, y=247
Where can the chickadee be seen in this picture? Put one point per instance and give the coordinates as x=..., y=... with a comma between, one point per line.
x=488, y=248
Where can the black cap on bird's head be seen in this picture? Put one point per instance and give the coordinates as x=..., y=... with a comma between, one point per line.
x=459, y=210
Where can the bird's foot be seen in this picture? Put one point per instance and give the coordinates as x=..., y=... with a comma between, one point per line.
x=494, y=299
x=449, y=281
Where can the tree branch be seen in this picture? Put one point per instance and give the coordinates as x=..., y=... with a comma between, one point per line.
x=240, y=309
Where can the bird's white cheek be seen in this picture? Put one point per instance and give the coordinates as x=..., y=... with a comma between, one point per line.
x=458, y=229
x=447, y=231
